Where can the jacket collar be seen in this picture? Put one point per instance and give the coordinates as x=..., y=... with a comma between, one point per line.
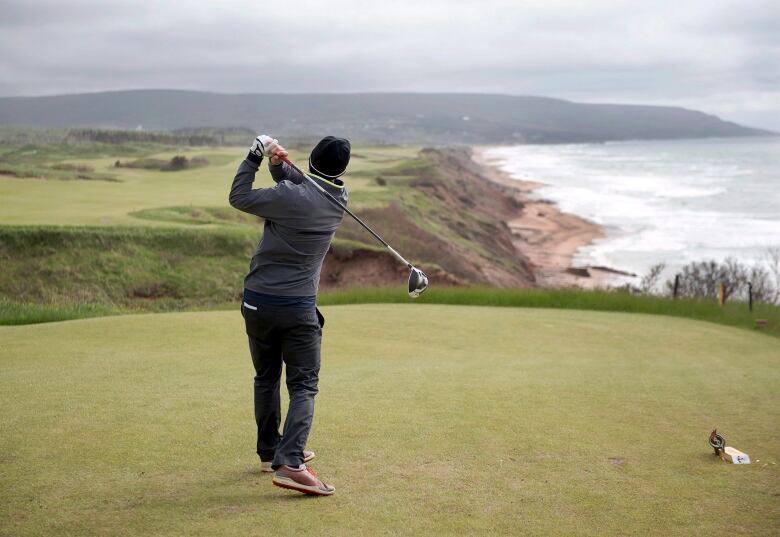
x=333, y=183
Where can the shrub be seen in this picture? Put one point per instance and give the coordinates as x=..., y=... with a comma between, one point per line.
x=703, y=279
x=179, y=162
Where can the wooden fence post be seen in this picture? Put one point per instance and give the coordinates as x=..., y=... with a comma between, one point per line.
x=722, y=294
x=750, y=296
x=676, y=285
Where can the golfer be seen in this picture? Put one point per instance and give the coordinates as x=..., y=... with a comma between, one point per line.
x=280, y=292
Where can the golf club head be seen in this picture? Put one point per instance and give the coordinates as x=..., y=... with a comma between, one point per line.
x=418, y=282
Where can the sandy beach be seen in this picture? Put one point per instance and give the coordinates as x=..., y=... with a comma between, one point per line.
x=546, y=235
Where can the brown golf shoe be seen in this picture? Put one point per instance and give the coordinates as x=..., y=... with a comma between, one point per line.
x=302, y=479
x=265, y=466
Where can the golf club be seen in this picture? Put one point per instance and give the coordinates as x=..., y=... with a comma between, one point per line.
x=418, y=281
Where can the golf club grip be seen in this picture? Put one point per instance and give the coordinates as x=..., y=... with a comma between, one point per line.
x=350, y=213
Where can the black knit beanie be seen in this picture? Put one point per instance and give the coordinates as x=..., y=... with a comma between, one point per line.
x=330, y=157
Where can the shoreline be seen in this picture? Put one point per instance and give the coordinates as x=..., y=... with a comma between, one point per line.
x=547, y=236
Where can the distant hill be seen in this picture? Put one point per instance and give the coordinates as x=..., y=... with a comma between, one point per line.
x=423, y=118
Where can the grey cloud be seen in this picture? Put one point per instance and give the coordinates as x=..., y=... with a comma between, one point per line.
x=719, y=56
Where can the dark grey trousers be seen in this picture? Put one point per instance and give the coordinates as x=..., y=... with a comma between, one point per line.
x=291, y=336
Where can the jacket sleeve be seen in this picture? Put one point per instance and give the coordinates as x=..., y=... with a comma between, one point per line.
x=270, y=203
x=283, y=172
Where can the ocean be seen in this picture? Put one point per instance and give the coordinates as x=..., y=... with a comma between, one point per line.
x=667, y=202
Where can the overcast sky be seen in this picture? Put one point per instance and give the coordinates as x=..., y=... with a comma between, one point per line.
x=721, y=57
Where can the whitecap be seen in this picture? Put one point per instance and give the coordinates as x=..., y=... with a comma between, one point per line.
x=673, y=202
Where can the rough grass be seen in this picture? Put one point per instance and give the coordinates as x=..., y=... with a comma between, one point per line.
x=431, y=420
x=90, y=271
x=12, y=313
x=148, y=268
x=198, y=215
x=732, y=314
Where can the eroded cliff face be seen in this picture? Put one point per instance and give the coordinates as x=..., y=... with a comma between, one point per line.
x=452, y=220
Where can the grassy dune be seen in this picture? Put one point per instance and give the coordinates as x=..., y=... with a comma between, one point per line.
x=431, y=420
x=52, y=273
x=124, y=267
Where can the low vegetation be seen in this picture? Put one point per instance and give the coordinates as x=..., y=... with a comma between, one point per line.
x=198, y=216
x=188, y=137
x=15, y=313
x=177, y=163
x=732, y=314
x=17, y=166
x=739, y=281
x=89, y=271
x=132, y=268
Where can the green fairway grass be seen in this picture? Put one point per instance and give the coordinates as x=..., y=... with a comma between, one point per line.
x=431, y=420
x=36, y=201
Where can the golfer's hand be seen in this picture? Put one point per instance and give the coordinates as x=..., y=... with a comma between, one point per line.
x=276, y=153
x=262, y=145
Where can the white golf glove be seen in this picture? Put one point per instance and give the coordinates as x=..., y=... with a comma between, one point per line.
x=264, y=146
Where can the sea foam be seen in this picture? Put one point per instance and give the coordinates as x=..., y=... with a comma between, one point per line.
x=667, y=202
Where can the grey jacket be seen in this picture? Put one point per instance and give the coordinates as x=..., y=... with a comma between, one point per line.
x=299, y=226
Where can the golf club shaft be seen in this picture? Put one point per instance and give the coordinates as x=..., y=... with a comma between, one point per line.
x=350, y=213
